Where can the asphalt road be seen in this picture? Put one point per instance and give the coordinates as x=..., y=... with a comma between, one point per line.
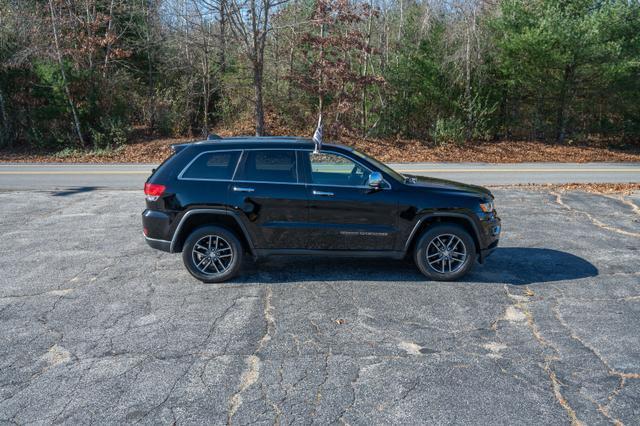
x=133, y=176
x=95, y=327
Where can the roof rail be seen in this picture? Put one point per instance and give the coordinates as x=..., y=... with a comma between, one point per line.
x=213, y=137
x=177, y=147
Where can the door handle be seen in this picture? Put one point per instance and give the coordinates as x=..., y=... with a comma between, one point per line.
x=322, y=193
x=242, y=189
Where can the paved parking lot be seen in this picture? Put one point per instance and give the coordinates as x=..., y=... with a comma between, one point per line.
x=95, y=327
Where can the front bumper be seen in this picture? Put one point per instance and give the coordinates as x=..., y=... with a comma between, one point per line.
x=492, y=229
x=484, y=253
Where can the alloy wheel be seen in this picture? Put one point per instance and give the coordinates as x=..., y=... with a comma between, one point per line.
x=446, y=253
x=212, y=255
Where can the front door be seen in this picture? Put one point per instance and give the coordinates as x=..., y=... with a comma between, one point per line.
x=266, y=192
x=344, y=212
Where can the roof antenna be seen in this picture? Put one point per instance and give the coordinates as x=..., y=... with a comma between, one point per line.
x=317, y=136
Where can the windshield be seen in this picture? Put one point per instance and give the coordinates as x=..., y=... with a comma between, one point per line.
x=380, y=165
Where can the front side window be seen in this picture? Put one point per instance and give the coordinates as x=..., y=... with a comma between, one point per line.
x=213, y=165
x=332, y=169
x=269, y=166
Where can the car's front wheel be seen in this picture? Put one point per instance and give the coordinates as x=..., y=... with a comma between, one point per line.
x=445, y=252
x=212, y=254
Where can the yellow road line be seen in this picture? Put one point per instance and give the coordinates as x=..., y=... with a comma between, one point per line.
x=140, y=172
x=518, y=170
x=88, y=172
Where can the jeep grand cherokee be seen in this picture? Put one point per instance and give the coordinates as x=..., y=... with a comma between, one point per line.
x=216, y=201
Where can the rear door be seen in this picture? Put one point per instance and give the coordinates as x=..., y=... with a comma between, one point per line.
x=267, y=193
x=344, y=213
x=205, y=179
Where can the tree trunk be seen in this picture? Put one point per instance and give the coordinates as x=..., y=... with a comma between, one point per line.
x=259, y=106
x=151, y=89
x=205, y=96
x=467, y=80
x=107, y=34
x=289, y=84
x=76, y=120
x=561, y=124
x=321, y=82
x=5, y=125
x=222, y=56
x=365, y=70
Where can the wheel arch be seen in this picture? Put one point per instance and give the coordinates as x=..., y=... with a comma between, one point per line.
x=437, y=218
x=196, y=218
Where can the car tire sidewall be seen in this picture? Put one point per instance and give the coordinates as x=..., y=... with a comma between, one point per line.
x=225, y=233
x=420, y=257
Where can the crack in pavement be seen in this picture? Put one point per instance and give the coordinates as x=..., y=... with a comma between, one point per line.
x=622, y=376
x=626, y=201
x=252, y=370
x=593, y=220
x=556, y=385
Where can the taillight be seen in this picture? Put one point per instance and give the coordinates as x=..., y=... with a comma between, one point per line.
x=153, y=191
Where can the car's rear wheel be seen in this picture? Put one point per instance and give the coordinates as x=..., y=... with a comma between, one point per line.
x=445, y=252
x=212, y=254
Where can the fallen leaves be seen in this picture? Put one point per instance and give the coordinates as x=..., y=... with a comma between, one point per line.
x=596, y=188
x=146, y=149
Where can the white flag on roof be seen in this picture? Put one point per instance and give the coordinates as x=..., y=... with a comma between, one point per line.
x=317, y=135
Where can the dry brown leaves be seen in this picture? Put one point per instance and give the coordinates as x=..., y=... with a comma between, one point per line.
x=596, y=188
x=150, y=150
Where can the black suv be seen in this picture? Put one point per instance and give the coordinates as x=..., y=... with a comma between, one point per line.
x=215, y=201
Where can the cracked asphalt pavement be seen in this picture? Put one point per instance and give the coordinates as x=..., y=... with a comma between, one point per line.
x=95, y=327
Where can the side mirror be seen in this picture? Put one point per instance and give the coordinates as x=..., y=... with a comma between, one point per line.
x=375, y=180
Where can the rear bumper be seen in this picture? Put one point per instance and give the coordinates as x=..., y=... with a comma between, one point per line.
x=158, y=244
x=156, y=229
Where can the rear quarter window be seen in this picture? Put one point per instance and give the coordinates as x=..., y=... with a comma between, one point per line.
x=212, y=165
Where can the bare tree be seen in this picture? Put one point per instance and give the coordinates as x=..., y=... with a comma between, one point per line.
x=250, y=22
x=63, y=74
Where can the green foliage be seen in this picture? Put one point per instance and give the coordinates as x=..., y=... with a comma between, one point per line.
x=480, y=112
x=421, y=89
x=520, y=69
x=565, y=58
x=111, y=133
x=448, y=131
x=68, y=152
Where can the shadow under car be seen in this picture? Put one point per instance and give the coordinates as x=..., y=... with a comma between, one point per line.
x=507, y=265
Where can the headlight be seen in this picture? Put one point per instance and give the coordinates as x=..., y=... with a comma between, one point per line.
x=487, y=207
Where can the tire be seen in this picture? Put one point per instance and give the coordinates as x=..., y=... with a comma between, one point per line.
x=439, y=263
x=205, y=262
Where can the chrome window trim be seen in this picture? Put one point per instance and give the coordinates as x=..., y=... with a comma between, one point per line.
x=267, y=181
x=242, y=151
x=353, y=160
x=297, y=182
x=235, y=169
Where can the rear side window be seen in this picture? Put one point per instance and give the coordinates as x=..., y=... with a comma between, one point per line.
x=269, y=166
x=213, y=165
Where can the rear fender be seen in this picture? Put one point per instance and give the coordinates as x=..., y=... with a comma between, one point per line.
x=195, y=218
